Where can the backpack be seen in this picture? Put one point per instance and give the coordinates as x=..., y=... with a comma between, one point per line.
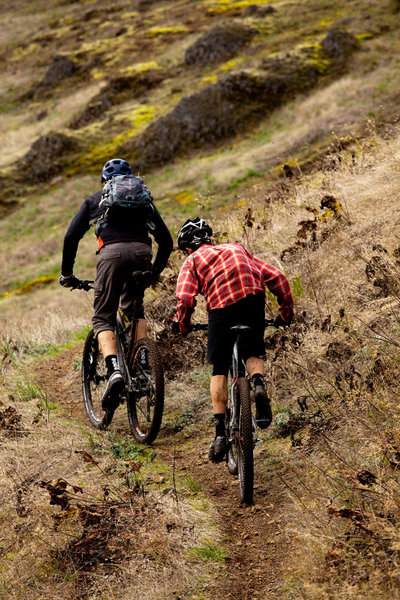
x=125, y=198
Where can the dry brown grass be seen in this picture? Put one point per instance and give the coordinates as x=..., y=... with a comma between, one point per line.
x=80, y=519
x=333, y=376
x=19, y=132
x=334, y=380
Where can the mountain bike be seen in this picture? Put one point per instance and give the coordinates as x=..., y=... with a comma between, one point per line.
x=141, y=366
x=240, y=424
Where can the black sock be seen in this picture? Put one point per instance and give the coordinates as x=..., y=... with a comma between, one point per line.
x=257, y=379
x=111, y=363
x=219, y=420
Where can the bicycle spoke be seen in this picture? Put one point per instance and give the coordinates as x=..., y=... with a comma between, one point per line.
x=94, y=383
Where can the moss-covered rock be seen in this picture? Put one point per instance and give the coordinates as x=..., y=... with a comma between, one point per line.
x=61, y=68
x=47, y=157
x=220, y=110
x=338, y=45
x=11, y=190
x=256, y=10
x=222, y=42
x=231, y=105
x=119, y=89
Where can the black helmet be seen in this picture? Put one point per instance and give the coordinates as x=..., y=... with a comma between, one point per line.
x=116, y=166
x=193, y=234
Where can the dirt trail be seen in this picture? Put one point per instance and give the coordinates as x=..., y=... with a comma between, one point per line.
x=253, y=536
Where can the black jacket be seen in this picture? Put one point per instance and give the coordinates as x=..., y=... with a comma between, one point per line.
x=89, y=212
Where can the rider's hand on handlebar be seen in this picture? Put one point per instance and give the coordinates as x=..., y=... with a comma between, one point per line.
x=279, y=322
x=180, y=328
x=69, y=282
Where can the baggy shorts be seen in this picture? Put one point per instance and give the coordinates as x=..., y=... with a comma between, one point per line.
x=113, y=287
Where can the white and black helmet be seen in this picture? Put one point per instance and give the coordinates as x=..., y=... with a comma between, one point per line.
x=193, y=234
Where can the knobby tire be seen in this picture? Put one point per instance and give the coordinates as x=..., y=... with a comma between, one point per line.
x=245, y=443
x=94, y=383
x=231, y=456
x=146, y=402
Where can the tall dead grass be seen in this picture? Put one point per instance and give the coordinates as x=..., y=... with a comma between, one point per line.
x=334, y=377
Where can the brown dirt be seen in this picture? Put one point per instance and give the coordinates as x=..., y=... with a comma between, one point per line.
x=252, y=536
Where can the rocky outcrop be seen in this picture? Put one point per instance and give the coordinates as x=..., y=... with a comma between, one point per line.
x=258, y=10
x=234, y=103
x=46, y=157
x=119, y=89
x=219, y=44
x=338, y=45
x=220, y=111
x=61, y=68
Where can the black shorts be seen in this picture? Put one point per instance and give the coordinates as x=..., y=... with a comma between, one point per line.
x=251, y=312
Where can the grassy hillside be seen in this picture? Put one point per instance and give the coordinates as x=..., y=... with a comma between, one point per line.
x=277, y=121
x=83, y=82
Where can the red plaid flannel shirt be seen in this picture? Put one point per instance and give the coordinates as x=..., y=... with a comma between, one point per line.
x=225, y=274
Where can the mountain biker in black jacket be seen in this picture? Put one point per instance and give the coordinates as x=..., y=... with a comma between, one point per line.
x=123, y=248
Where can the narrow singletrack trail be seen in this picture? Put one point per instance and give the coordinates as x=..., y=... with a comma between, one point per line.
x=253, y=537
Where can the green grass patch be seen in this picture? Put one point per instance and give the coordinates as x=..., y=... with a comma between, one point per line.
x=125, y=449
x=207, y=552
x=187, y=416
x=250, y=173
x=74, y=338
x=191, y=484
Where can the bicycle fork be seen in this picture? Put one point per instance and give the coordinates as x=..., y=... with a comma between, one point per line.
x=238, y=370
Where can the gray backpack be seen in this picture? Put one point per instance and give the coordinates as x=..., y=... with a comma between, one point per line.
x=125, y=198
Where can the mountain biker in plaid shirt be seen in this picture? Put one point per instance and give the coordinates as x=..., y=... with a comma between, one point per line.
x=232, y=282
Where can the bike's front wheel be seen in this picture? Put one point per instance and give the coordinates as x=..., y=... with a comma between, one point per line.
x=146, y=400
x=244, y=443
x=94, y=383
x=231, y=455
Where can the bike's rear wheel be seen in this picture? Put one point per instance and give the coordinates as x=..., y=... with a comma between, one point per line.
x=244, y=443
x=94, y=383
x=146, y=401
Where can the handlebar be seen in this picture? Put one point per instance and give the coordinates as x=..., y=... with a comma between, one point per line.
x=83, y=284
x=199, y=326
x=204, y=326
x=143, y=277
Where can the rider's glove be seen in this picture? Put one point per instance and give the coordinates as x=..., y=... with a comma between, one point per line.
x=180, y=327
x=185, y=329
x=279, y=322
x=68, y=282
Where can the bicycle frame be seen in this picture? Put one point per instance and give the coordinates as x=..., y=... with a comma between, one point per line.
x=127, y=333
x=122, y=352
